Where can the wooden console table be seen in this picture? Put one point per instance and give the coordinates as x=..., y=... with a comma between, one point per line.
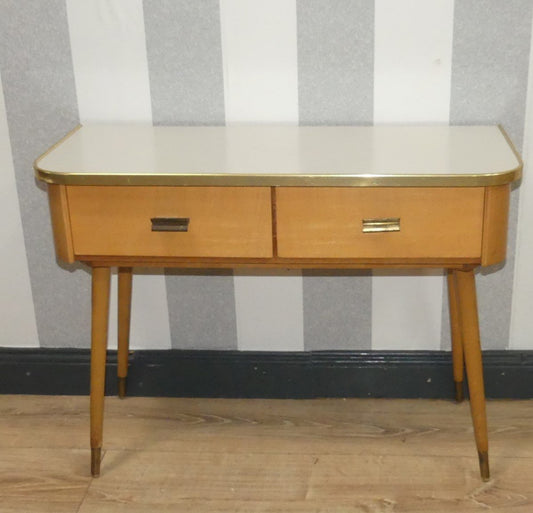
x=285, y=197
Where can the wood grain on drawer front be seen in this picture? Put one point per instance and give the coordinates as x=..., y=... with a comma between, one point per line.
x=224, y=221
x=327, y=222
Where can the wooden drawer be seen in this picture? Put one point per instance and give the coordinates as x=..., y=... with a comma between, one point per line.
x=223, y=221
x=321, y=222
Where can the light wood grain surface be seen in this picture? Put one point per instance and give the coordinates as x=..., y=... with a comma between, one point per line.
x=327, y=222
x=224, y=221
x=206, y=455
x=57, y=197
x=496, y=217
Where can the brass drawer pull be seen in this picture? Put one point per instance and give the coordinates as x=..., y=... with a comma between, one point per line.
x=389, y=224
x=170, y=224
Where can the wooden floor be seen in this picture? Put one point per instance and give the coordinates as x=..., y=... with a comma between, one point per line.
x=199, y=455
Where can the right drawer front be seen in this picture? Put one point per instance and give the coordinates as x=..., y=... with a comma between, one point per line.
x=327, y=222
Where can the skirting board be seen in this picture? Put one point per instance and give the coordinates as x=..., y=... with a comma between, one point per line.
x=174, y=373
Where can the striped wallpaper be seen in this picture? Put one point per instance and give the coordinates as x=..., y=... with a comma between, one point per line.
x=199, y=62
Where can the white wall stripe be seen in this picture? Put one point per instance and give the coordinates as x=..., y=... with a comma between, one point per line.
x=412, y=61
x=521, y=336
x=259, y=52
x=412, y=77
x=109, y=52
x=110, y=66
x=406, y=310
x=19, y=328
x=269, y=308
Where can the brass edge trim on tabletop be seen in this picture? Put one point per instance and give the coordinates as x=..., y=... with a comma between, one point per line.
x=36, y=167
x=520, y=167
x=287, y=180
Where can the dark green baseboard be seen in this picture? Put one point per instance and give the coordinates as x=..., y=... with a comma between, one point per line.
x=398, y=374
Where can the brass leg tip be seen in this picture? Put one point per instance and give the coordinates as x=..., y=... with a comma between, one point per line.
x=122, y=385
x=459, y=391
x=95, y=461
x=484, y=465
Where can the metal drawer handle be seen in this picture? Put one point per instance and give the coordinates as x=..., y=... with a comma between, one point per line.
x=389, y=224
x=170, y=224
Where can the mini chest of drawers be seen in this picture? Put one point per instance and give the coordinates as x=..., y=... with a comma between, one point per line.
x=287, y=197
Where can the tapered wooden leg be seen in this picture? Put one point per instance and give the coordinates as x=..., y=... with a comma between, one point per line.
x=466, y=288
x=100, y=315
x=457, y=341
x=124, y=315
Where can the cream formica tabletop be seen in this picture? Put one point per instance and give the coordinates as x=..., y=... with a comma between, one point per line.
x=282, y=156
x=282, y=196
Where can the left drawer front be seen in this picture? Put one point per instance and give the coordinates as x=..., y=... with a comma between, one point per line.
x=222, y=221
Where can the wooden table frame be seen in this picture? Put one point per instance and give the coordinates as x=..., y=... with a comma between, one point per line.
x=491, y=199
x=466, y=350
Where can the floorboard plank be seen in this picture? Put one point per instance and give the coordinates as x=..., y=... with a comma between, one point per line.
x=153, y=478
x=43, y=480
x=354, y=426
x=423, y=483
x=215, y=455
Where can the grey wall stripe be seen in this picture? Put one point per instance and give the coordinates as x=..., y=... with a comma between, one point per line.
x=335, y=86
x=335, y=61
x=202, y=309
x=489, y=85
x=186, y=81
x=185, y=61
x=337, y=310
x=41, y=107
